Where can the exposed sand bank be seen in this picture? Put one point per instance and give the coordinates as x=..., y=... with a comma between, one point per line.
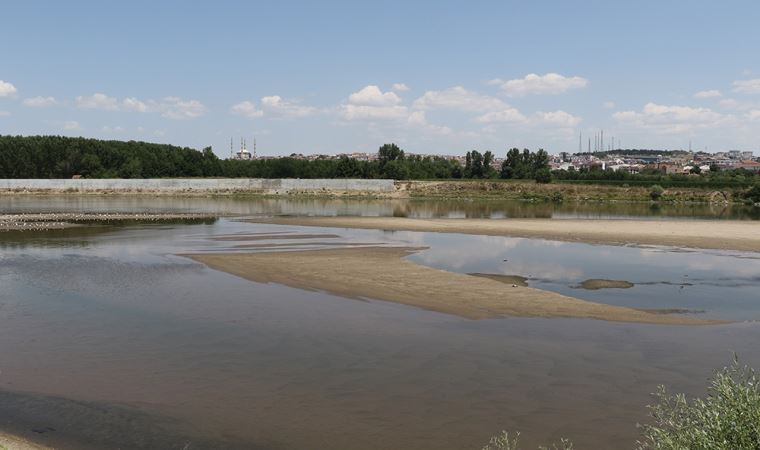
x=598, y=283
x=382, y=273
x=9, y=442
x=712, y=234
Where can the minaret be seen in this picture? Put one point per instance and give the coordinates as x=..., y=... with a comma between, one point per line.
x=232, y=154
x=254, y=147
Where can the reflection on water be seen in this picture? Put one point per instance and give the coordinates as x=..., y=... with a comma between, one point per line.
x=398, y=208
x=108, y=339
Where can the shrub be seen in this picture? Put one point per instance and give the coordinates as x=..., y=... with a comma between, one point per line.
x=557, y=197
x=656, y=192
x=543, y=176
x=727, y=419
x=503, y=441
x=752, y=194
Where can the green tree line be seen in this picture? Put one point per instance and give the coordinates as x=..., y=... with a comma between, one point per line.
x=65, y=157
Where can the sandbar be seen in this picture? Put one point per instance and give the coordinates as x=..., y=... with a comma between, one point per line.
x=707, y=234
x=600, y=283
x=382, y=273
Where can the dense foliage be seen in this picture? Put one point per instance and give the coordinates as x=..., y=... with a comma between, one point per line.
x=65, y=157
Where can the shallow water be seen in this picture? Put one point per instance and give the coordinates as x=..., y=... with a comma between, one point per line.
x=107, y=338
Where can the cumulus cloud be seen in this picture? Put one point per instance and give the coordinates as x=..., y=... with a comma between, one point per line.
x=753, y=115
x=247, y=109
x=459, y=98
x=285, y=108
x=179, y=109
x=747, y=86
x=550, y=83
x=7, y=89
x=400, y=87
x=372, y=96
x=417, y=119
x=133, y=104
x=98, y=101
x=671, y=119
x=509, y=115
x=557, y=119
x=712, y=93
x=40, y=102
x=608, y=105
x=368, y=112
x=272, y=105
x=371, y=103
x=174, y=108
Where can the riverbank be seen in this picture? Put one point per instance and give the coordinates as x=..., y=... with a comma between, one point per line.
x=722, y=235
x=522, y=190
x=382, y=273
x=10, y=442
x=57, y=221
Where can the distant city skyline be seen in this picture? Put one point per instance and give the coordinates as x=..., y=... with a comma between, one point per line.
x=340, y=77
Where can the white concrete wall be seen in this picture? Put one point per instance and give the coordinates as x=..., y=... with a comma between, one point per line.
x=269, y=186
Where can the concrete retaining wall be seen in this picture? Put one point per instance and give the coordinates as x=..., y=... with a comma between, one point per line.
x=257, y=185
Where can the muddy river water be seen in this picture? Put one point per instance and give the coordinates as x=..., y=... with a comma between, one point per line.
x=108, y=339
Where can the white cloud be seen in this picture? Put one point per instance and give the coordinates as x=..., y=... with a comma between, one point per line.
x=557, y=119
x=417, y=119
x=179, y=109
x=133, y=104
x=98, y=101
x=459, y=98
x=71, y=125
x=372, y=96
x=286, y=108
x=169, y=107
x=712, y=93
x=247, y=109
x=608, y=105
x=672, y=119
x=400, y=87
x=4, y=113
x=7, y=89
x=509, y=115
x=753, y=115
x=747, y=86
x=40, y=102
x=368, y=112
x=550, y=83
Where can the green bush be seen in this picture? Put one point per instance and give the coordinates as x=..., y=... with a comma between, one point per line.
x=752, y=194
x=543, y=176
x=557, y=197
x=656, y=192
x=727, y=419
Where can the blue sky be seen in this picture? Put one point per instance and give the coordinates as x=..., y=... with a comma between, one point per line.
x=343, y=76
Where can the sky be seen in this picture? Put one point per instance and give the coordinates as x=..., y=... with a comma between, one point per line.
x=436, y=77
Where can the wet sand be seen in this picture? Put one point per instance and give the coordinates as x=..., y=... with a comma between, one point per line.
x=723, y=235
x=381, y=273
x=507, y=279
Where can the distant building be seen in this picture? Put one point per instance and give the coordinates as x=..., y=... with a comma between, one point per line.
x=734, y=154
x=243, y=154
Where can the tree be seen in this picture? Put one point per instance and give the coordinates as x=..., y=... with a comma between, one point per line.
x=389, y=152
